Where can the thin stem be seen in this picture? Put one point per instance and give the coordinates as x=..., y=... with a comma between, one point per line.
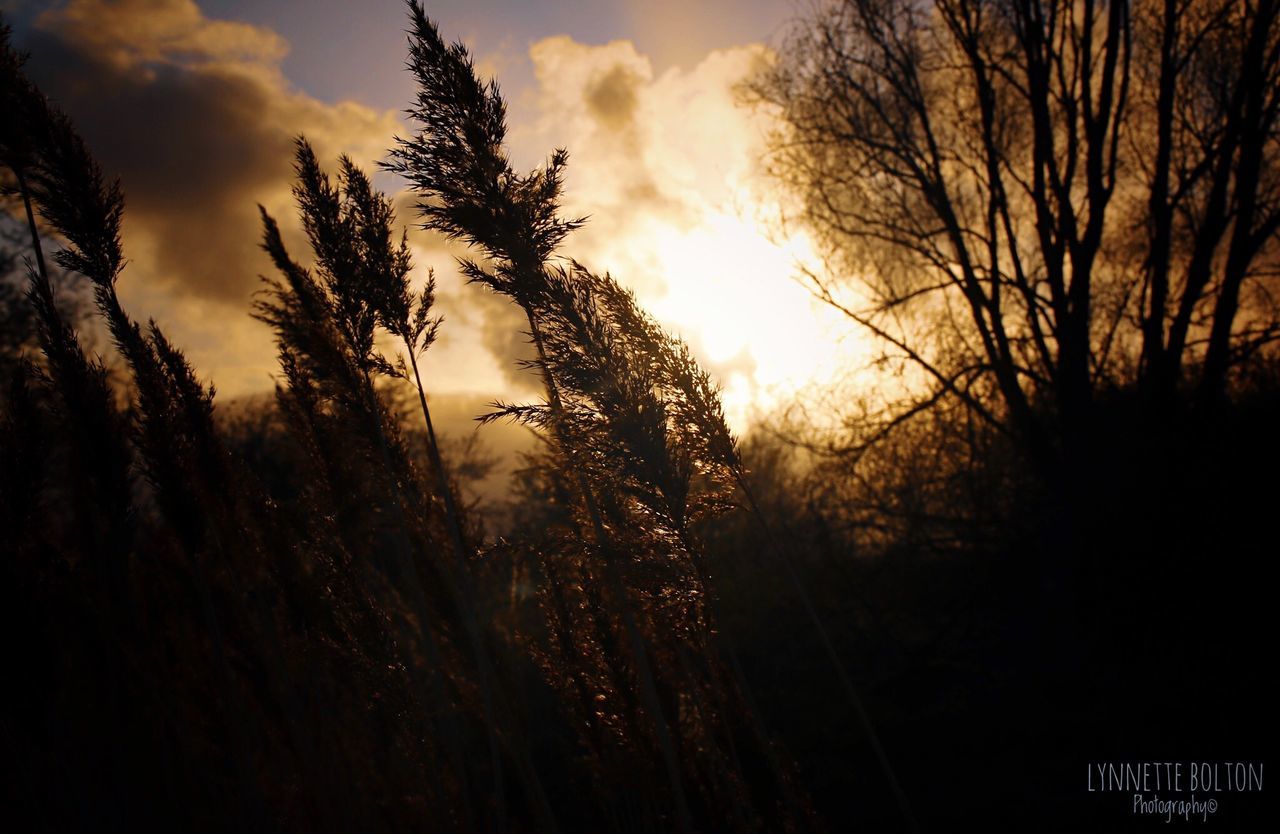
x=31, y=224
x=460, y=545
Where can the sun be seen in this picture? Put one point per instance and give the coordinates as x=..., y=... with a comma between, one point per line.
x=728, y=291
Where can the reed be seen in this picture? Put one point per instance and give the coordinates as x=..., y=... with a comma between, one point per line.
x=641, y=465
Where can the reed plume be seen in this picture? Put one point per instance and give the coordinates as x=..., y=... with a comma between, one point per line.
x=630, y=457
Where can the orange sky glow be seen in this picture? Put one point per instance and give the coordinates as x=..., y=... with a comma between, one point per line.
x=663, y=159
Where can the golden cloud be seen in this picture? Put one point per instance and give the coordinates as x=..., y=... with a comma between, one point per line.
x=134, y=31
x=668, y=166
x=197, y=119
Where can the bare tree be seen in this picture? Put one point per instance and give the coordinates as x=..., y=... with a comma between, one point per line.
x=1032, y=201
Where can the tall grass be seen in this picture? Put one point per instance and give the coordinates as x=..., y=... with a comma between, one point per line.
x=319, y=648
x=286, y=617
x=640, y=444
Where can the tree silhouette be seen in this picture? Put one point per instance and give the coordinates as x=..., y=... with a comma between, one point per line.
x=1035, y=201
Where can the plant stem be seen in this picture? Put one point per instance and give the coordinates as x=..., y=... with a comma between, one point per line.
x=487, y=672
x=31, y=224
x=460, y=547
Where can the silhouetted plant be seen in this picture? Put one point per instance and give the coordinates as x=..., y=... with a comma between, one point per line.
x=326, y=326
x=281, y=640
x=280, y=614
x=628, y=456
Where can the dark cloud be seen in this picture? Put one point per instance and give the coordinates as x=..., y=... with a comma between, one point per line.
x=198, y=134
x=612, y=97
x=191, y=152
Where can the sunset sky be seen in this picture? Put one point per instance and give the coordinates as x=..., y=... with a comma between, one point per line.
x=194, y=106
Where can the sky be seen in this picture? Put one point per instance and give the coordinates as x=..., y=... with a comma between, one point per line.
x=195, y=107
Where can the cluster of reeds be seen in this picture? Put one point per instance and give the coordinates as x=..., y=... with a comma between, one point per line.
x=319, y=649
x=194, y=650
x=639, y=452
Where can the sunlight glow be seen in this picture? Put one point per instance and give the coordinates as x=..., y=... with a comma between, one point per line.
x=728, y=293
x=668, y=168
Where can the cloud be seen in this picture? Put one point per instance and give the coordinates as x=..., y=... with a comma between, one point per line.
x=667, y=165
x=196, y=118
x=483, y=340
x=612, y=98
x=133, y=31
